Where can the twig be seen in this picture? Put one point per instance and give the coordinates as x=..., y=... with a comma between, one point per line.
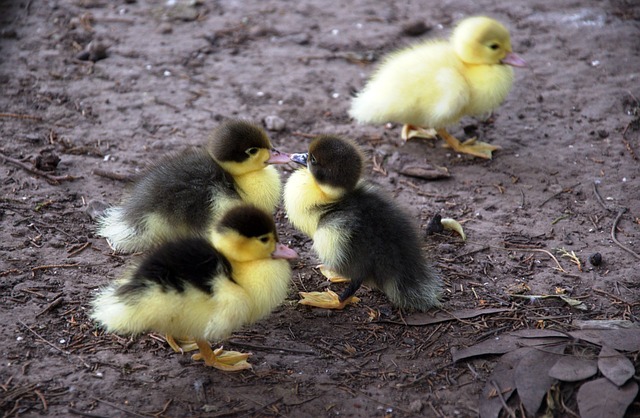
x=304, y=135
x=598, y=197
x=50, y=179
x=42, y=339
x=85, y=414
x=613, y=234
x=565, y=190
x=504, y=403
x=267, y=348
x=54, y=266
x=626, y=142
x=52, y=305
x=19, y=116
x=117, y=407
x=612, y=296
x=539, y=250
x=79, y=250
x=113, y=176
x=42, y=399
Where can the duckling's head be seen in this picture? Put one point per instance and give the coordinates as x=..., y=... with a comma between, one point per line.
x=335, y=163
x=482, y=40
x=241, y=147
x=246, y=233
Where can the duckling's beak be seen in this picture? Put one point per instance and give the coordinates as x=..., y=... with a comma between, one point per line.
x=514, y=60
x=282, y=251
x=300, y=158
x=277, y=157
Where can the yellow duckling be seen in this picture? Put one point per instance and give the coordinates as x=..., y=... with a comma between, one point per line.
x=434, y=84
x=358, y=232
x=190, y=287
x=182, y=195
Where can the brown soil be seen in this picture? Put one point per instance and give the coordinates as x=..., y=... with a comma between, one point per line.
x=570, y=133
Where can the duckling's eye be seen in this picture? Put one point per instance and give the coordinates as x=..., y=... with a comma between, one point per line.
x=252, y=151
x=312, y=159
x=494, y=46
x=264, y=240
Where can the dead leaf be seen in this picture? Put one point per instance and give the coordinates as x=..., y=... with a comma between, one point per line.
x=619, y=339
x=601, y=398
x=425, y=318
x=503, y=376
x=614, y=366
x=604, y=324
x=573, y=369
x=539, y=333
x=503, y=344
x=532, y=375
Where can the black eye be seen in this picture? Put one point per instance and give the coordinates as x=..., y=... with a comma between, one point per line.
x=264, y=239
x=252, y=151
x=312, y=159
x=494, y=46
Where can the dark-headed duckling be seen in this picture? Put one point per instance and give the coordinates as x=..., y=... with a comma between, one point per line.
x=192, y=288
x=182, y=195
x=358, y=232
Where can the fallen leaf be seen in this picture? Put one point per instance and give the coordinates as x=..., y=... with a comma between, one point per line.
x=503, y=344
x=601, y=398
x=425, y=318
x=604, y=324
x=619, y=339
x=532, y=375
x=539, y=333
x=573, y=369
x=614, y=366
x=503, y=376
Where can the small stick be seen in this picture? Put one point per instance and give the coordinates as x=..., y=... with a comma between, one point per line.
x=19, y=116
x=304, y=135
x=267, y=348
x=54, y=266
x=42, y=399
x=57, y=301
x=113, y=176
x=42, y=339
x=600, y=200
x=50, y=179
x=79, y=250
x=504, y=403
x=613, y=234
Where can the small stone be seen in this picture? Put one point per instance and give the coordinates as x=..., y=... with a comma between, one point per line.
x=603, y=134
x=275, y=123
x=165, y=28
x=595, y=259
x=415, y=406
x=416, y=28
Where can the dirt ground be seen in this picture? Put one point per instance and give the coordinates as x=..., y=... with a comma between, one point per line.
x=534, y=215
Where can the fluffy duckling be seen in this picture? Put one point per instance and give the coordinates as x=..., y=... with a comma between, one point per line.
x=182, y=195
x=189, y=287
x=358, y=232
x=434, y=84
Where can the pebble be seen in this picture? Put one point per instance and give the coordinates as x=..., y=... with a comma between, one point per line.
x=595, y=259
x=416, y=28
x=275, y=123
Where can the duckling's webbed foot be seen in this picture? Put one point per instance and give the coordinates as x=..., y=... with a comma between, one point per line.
x=471, y=146
x=410, y=131
x=326, y=300
x=332, y=275
x=228, y=361
x=181, y=345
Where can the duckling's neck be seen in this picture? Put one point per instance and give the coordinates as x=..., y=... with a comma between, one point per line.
x=260, y=187
x=489, y=85
x=302, y=199
x=266, y=283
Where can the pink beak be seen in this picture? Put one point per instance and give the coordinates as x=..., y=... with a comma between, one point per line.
x=514, y=60
x=284, y=252
x=277, y=157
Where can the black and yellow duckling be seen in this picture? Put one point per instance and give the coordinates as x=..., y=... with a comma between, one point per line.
x=358, y=232
x=182, y=195
x=189, y=287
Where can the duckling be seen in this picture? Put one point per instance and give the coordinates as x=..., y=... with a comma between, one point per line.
x=182, y=195
x=358, y=232
x=191, y=287
x=436, y=83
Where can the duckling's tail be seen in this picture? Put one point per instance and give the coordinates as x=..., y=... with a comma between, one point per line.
x=114, y=227
x=419, y=289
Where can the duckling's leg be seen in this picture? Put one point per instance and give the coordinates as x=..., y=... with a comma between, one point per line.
x=410, y=131
x=181, y=345
x=228, y=361
x=470, y=146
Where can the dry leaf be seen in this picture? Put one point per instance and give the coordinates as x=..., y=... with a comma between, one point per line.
x=503, y=344
x=573, y=369
x=614, y=366
x=601, y=398
x=532, y=375
x=425, y=318
x=503, y=376
x=619, y=339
